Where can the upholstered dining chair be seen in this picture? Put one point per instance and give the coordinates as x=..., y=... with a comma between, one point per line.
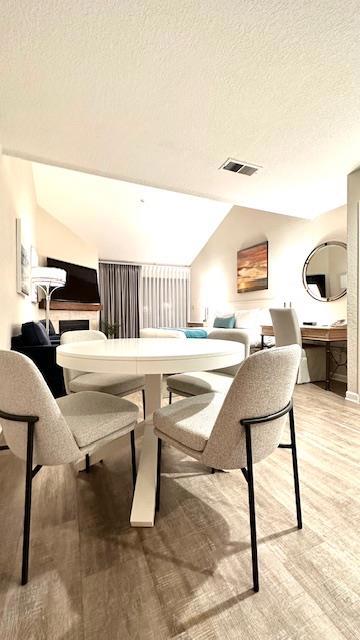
x=219, y=380
x=116, y=384
x=45, y=432
x=240, y=429
x=287, y=331
x=3, y=445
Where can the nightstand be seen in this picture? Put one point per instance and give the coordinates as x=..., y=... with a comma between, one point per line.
x=196, y=324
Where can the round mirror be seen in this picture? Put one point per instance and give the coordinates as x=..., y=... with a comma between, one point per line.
x=325, y=271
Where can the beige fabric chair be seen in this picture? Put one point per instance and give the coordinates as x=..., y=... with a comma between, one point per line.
x=239, y=429
x=43, y=431
x=113, y=383
x=3, y=445
x=218, y=380
x=287, y=331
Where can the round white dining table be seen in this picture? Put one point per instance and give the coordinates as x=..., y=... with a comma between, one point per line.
x=151, y=357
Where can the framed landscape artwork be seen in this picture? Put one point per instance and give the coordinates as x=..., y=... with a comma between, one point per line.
x=252, y=268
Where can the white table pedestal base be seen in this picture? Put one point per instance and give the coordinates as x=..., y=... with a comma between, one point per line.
x=143, y=507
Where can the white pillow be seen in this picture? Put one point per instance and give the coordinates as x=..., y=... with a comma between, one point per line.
x=247, y=318
x=250, y=319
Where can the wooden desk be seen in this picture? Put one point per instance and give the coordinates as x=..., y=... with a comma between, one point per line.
x=324, y=335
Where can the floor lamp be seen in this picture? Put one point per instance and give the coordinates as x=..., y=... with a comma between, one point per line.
x=48, y=279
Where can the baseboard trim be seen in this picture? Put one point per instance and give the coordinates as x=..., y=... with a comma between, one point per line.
x=339, y=377
x=352, y=397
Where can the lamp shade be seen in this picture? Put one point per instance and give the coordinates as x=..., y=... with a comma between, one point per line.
x=48, y=276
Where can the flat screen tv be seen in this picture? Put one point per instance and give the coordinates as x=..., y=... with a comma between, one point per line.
x=81, y=283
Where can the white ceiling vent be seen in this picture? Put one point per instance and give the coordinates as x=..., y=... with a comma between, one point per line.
x=235, y=166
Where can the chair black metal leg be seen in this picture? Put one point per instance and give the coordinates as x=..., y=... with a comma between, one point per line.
x=158, y=476
x=170, y=397
x=87, y=463
x=245, y=473
x=295, y=468
x=27, y=509
x=251, y=494
x=133, y=457
x=144, y=402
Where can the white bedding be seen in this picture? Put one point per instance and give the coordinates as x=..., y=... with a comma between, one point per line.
x=250, y=320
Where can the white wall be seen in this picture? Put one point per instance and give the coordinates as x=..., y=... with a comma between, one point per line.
x=353, y=198
x=47, y=235
x=213, y=273
x=17, y=200
x=55, y=240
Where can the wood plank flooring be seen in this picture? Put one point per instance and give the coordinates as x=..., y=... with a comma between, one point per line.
x=189, y=578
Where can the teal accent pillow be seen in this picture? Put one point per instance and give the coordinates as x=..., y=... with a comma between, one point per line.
x=195, y=333
x=224, y=322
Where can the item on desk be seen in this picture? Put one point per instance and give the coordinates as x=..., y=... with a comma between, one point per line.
x=309, y=324
x=339, y=323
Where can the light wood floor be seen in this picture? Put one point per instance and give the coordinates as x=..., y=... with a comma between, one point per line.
x=93, y=577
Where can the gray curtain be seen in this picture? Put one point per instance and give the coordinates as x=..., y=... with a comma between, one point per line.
x=119, y=294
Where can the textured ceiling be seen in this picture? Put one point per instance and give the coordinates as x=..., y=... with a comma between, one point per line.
x=162, y=92
x=126, y=221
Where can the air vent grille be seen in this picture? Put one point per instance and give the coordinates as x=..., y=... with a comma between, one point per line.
x=235, y=166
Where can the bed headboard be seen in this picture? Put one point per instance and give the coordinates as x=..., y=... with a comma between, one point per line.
x=247, y=305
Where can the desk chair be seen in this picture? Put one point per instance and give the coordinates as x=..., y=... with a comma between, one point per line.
x=287, y=331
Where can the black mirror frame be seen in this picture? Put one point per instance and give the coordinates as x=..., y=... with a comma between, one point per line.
x=306, y=263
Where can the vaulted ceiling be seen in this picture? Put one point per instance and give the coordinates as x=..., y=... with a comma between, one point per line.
x=126, y=221
x=161, y=93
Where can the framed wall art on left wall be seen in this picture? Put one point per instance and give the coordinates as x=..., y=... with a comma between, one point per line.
x=23, y=262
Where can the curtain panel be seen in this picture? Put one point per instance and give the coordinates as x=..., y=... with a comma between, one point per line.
x=119, y=294
x=164, y=296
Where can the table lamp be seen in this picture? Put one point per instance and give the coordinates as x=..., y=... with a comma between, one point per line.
x=48, y=279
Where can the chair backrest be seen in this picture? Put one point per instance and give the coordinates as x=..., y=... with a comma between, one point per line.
x=237, y=335
x=286, y=327
x=23, y=391
x=263, y=385
x=78, y=336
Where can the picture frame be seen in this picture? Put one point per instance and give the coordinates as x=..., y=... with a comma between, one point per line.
x=23, y=262
x=252, y=268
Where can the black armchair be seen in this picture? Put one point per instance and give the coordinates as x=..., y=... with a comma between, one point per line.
x=43, y=355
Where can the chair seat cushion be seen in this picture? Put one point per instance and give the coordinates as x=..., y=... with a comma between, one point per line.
x=198, y=382
x=115, y=384
x=93, y=416
x=189, y=421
